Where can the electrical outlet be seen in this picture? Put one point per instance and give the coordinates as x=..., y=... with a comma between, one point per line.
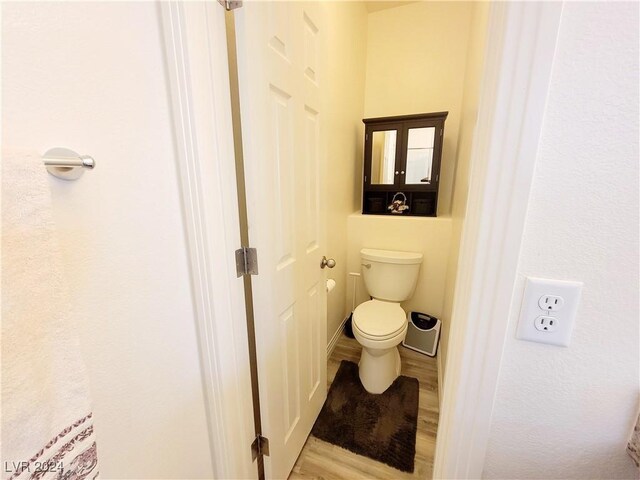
x=546, y=324
x=548, y=311
x=551, y=303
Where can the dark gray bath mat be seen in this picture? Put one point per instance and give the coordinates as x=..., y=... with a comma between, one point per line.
x=381, y=427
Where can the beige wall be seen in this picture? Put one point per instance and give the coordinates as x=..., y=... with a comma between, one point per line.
x=416, y=57
x=566, y=413
x=468, y=118
x=427, y=235
x=422, y=57
x=346, y=48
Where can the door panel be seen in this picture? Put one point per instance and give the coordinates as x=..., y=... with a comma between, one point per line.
x=280, y=62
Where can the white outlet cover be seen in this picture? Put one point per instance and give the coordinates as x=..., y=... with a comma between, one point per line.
x=534, y=289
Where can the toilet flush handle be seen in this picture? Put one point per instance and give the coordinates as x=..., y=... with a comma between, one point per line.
x=327, y=262
x=366, y=265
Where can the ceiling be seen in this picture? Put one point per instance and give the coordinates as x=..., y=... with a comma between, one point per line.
x=377, y=6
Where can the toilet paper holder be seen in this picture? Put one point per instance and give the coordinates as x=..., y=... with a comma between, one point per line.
x=331, y=284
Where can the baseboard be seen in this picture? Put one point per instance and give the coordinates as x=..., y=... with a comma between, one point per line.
x=336, y=336
x=440, y=381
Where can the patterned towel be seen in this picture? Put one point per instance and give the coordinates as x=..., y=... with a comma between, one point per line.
x=633, y=447
x=47, y=425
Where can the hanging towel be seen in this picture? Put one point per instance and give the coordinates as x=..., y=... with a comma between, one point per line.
x=47, y=424
x=633, y=447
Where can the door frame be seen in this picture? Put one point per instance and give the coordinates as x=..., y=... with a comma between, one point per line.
x=520, y=50
x=195, y=48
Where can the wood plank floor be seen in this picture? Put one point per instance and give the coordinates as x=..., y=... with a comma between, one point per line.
x=322, y=460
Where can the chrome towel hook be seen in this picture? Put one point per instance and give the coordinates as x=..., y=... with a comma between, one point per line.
x=67, y=164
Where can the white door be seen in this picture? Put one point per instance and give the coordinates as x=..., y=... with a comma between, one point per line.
x=280, y=61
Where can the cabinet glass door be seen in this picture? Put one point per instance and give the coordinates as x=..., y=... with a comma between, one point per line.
x=383, y=157
x=419, y=163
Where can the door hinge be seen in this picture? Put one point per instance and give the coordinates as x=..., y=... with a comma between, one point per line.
x=230, y=4
x=246, y=261
x=260, y=446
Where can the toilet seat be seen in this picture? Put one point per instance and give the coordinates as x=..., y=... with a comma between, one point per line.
x=378, y=320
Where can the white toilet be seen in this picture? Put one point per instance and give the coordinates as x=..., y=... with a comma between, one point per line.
x=380, y=324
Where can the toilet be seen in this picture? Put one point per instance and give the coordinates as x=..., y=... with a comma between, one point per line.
x=380, y=324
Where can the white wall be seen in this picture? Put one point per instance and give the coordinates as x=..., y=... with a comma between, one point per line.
x=416, y=59
x=91, y=76
x=568, y=412
x=427, y=235
x=346, y=50
x=468, y=119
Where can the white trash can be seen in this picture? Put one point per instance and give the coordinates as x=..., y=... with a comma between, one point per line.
x=423, y=333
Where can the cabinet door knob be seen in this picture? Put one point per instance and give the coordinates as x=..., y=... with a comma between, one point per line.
x=396, y=172
x=402, y=172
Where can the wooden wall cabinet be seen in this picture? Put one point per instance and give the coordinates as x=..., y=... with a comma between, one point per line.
x=402, y=158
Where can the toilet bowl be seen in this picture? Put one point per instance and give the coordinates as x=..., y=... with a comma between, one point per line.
x=379, y=327
x=380, y=324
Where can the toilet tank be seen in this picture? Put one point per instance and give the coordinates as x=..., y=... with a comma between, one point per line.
x=390, y=275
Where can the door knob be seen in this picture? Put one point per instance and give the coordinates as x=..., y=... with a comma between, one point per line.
x=327, y=262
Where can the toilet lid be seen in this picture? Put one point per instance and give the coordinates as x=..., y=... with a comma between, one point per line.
x=379, y=319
